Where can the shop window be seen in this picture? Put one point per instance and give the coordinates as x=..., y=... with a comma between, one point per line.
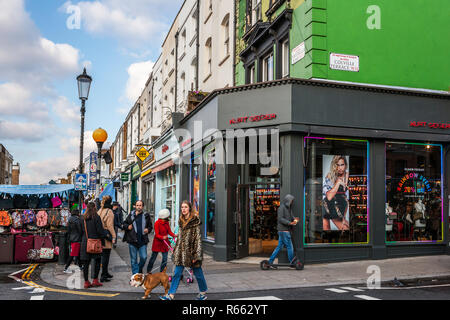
x=267, y=68
x=210, y=207
x=336, y=191
x=168, y=194
x=413, y=192
x=195, y=186
x=285, y=58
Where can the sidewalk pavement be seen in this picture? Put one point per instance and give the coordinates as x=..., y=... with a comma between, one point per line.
x=246, y=275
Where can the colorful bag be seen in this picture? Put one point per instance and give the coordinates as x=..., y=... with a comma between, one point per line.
x=28, y=216
x=5, y=219
x=94, y=246
x=54, y=218
x=33, y=254
x=42, y=219
x=16, y=220
x=56, y=202
x=46, y=253
x=65, y=215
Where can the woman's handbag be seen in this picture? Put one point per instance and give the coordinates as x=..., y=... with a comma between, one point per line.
x=94, y=246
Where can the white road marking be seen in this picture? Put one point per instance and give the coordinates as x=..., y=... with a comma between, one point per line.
x=366, y=297
x=258, y=298
x=337, y=290
x=351, y=289
x=37, y=298
x=38, y=290
x=23, y=288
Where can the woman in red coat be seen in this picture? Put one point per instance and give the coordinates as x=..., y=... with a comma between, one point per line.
x=161, y=241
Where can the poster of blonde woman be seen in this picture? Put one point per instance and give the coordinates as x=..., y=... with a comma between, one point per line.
x=335, y=194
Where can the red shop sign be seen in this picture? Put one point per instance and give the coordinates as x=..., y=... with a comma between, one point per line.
x=165, y=148
x=255, y=118
x=431, y=125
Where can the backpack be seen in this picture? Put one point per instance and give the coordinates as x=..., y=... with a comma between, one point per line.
x=28, y=217
x=65, y=215
x=44, y=202
x=16, y=220
x=20, y=201
x=56, y=202
x=42, y=219
x=33, y=202
x=6, y=203
x=5, y=219
x=54, y=218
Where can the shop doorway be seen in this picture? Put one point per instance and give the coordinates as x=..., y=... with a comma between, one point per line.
x=256, y=219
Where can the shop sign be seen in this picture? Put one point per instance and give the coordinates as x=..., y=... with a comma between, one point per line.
x=344, y=62
x=81, y=181
x=423, y=186
x=92, y=171
x=186, y=142
x=142, y=154
x=135, y=172
x=125, y=177
x=298, y=53
x=256, y=118
x=431, y=125
x=165, y=148
x=150, y=158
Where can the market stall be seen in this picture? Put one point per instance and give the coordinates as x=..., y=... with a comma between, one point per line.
x=33, y=222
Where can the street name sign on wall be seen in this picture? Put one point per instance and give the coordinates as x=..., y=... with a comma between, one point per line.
x=344, y=62
x=298, y=53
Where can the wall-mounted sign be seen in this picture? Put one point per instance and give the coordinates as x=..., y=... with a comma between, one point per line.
x=256, y=118
x=344, y=62
x=142, y=154
x=432, y=125
x=298, y=53
x=81, y=181
x=165, y=148
x=125, y=177
x=92, y=171
x=135, y=172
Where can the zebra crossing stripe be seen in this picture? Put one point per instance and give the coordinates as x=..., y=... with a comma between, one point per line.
x=37, y=298
x=336, y=290
x=366, y=297
x=351, y=289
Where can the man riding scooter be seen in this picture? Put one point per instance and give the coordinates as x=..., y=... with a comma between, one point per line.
x=285, y=222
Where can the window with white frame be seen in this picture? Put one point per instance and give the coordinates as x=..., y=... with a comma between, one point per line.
x=285, y=58
x=267, y=68
x=252, y=74
x=183, y=41
x=226, y=34
x=183, y=86
x=257, y=11
x=208, y=49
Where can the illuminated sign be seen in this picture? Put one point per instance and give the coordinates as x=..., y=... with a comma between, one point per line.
x=423, y=184
x=255, y=118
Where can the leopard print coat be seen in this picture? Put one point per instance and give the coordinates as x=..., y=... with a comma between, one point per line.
x=189, y=245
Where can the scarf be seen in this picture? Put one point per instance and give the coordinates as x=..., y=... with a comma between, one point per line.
x=134, y=221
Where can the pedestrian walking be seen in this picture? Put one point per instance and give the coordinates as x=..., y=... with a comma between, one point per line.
x=160, y=240
x=107, y=216
x=137, y=226
x=188, y=252
x=92, y=227
x=285, y=222
x=118, y=219
x=74, y=232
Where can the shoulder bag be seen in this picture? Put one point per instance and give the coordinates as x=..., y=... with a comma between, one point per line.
x=108, y=233
x=94, y=246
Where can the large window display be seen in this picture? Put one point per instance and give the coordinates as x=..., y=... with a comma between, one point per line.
x=336, y=191
x=210, y=208
x=195, y=187
x=413, y=192
x=169, y=194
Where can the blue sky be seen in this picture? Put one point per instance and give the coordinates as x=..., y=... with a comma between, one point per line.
x=118, y=41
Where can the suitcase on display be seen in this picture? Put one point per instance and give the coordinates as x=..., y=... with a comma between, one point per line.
x=7, y=248
x=23, y=243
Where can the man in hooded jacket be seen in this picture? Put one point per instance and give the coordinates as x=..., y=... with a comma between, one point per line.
x=285, y=222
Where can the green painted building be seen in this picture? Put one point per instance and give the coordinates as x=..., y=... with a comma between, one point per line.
x=403, y=43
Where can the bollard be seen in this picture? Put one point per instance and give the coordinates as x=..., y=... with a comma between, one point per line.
x=63, y=248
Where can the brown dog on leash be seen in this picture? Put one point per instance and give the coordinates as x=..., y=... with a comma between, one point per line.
x=150, y=281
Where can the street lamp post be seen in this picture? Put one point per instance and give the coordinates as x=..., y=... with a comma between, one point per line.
x=84, y=86
x=100, y=137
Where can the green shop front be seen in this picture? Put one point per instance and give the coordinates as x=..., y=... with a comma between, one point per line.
x=368, y=168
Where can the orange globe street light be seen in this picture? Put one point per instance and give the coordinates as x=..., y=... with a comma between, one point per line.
x=99, y=136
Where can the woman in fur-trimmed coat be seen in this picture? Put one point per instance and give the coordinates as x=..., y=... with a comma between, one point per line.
x=188, y=252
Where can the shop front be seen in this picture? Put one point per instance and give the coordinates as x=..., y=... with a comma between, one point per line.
x=166, y=174
x=148, y=184
x=367, y=167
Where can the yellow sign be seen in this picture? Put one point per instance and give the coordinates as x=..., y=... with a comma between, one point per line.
x=142, y=154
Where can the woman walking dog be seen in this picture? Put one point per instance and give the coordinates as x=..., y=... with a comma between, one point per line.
x=188, y=252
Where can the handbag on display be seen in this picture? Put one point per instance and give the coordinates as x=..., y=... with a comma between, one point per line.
x=65, y=215
x=94, y=246
x=28, y=216
x=16, y=220
x=56, y=202
x=56, y=251
x=44, y=202
x=42, y=219
x=5, y=219
x=20, y=201
x=34, y=254
x=46, y=253
x=6, y=203
x=33, y=202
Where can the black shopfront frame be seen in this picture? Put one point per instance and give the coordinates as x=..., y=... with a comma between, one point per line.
x=318, y=108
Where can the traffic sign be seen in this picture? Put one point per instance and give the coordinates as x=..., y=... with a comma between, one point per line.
x=142, y=154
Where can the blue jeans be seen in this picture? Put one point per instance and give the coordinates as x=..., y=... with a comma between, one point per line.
x=284, y=240
x=153, y=259
x=198, y=272
x=134, y=251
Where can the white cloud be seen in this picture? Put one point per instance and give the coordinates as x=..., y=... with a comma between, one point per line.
x=23, y=131
x=67, y=111
x=134, y=22
x=138, y=74
x=17, y=100
x=46, y=170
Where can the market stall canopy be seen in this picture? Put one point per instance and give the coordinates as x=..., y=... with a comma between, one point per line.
x=36, y=189
x=108, y=191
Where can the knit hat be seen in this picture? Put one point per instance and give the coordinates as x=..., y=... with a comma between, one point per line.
x=163, y=214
